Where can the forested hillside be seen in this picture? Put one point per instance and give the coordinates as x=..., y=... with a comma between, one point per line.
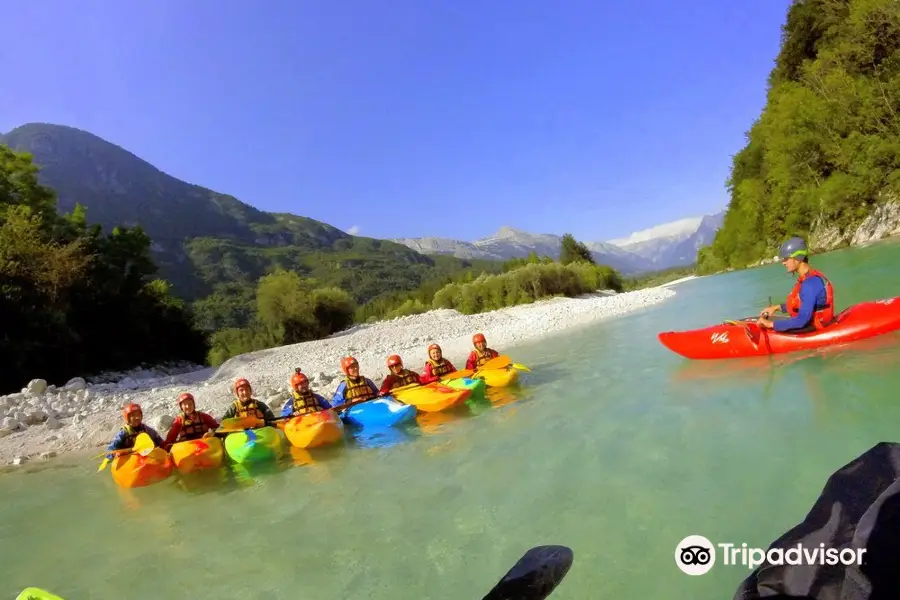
x=211, y=246
x=826, y=148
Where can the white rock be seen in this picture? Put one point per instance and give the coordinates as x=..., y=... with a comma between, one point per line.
x=19, y=460
x=47, y=454
x=36, y=386
x=164, y=423
x=51, y=389
x=128, y=384
x=35, y=417
x=53, y=423
x=75, y=384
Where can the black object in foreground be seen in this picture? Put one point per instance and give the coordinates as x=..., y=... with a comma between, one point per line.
x=858, y=509
x=535, y=576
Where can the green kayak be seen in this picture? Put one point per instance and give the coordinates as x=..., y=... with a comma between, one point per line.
x=464, y=383
x=254, y=445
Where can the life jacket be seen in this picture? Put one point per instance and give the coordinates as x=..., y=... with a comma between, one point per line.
x=192, y=427
x=481, y=358
x=439, y=369
x=306, y=403
x=406, y=377
x=822, y=317
x=131, y=434
x=358, y=391
x=250, y=410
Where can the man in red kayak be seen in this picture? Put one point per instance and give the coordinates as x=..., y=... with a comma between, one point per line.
x=811, y=303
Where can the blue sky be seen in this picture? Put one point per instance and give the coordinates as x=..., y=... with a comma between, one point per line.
x=411, y=117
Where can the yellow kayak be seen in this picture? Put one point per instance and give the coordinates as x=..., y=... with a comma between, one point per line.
x=314, y=429
x=432, y=397
x=195, y=455
x=134, y=470
x=498, y=377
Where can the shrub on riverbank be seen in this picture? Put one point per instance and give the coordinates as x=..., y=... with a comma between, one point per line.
x=289, y=310
x=73, y=301
x=525, y=285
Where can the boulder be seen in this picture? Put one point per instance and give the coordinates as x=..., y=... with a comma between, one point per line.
x=36, y=387
x=75, y=384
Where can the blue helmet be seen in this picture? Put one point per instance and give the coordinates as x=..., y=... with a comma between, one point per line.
x=793, y=248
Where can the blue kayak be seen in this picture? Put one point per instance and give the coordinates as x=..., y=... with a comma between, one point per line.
x=379, y=412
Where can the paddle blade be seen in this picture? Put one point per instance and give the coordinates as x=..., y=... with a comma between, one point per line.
x=521, y=367
x=103, y=465
x=535, y=576
x=251, y=438
x=501, y=362
x=458, y=375
x=143, y=444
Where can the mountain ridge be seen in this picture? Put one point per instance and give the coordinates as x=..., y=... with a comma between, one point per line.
x=203, y=239
x=664, y=246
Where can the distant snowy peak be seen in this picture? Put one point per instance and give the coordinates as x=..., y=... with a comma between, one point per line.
x=662, y=247
x=681, y=229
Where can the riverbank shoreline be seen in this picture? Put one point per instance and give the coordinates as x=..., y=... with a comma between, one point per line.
x=44, y=421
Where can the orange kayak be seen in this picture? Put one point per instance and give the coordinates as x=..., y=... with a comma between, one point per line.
x=314, y=429
x=432, y=397
x=134, y=470
x=195, y=455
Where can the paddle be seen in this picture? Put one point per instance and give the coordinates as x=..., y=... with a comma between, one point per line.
x=143, y=445
x=535, y=576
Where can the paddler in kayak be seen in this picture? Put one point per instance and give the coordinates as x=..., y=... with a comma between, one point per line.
x=811, y=303
x=398, y=377
x=481, y=354
x=354, y=387
x=247, y=406
x=436, y=366
x=191, y=424
x=134, y=425
x=303, y=400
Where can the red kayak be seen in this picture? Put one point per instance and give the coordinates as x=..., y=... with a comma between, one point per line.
x=742, y=339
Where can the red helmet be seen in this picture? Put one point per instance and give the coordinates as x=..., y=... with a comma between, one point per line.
x=394, y=360
x=131, y=407
x=433, y=347
x=478, y=337
x=298, y=378
x=347, y=362
x=184, y=397
x=239, y=383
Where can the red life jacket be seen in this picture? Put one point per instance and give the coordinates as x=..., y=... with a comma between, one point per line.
x=439, y=369
x=822, y=317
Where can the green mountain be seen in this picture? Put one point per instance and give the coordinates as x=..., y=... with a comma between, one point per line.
x=205, y=241
x=825, y=152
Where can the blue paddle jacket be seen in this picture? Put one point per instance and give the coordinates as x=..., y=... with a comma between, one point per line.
x=126, y=436
x=812, y=298
x=338, y=397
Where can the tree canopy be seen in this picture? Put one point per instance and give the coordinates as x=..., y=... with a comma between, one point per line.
x=72, y=300
x=826, y=148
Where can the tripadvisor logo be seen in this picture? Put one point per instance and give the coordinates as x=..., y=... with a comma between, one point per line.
x=696, y=555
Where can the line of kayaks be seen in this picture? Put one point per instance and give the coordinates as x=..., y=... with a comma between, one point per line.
x=246, y=440
x=744, y=338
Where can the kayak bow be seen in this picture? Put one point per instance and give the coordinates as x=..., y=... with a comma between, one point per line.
x=743, y=339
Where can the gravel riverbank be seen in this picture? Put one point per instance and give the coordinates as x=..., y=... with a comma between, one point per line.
x=43, y=421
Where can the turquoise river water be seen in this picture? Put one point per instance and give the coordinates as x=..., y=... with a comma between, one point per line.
x=612, y=446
